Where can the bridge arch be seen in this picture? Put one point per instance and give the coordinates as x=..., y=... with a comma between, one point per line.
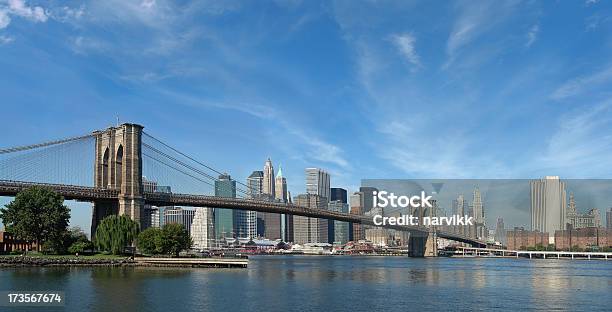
x=119, y=166
x=105, y=177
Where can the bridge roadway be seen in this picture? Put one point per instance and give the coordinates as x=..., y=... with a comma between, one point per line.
x=90, y=194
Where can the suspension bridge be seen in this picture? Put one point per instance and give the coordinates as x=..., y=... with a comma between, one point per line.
x=122, y=168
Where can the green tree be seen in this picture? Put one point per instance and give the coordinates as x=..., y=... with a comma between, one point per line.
x=175, y=238
x=150, y=241
x=37, y=214
x=114, y=233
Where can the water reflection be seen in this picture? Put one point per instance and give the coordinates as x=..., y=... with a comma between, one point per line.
x=303, y=283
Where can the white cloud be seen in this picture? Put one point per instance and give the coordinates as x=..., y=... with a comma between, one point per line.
x=5, y=19
x=581, y=145
x=5, y=39
x=406, y=45
x=20, y=8
x=532, y=35
x=580, y=84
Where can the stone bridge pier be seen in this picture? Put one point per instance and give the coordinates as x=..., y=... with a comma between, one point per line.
x=118, y=165
x=423, y=244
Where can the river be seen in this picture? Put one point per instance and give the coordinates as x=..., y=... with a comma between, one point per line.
x=329, y=283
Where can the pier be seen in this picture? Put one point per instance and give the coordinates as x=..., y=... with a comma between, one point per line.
x=491, y=252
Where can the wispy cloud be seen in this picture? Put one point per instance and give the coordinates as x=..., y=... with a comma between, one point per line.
x=532, y=35
x=579, y=85
x=581, y=144
x=405, y=43
x=5, y=39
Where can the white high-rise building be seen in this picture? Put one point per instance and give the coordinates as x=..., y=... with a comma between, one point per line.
x=318, y=182
x=202, y=229
x=548, y=205
x=268, y=178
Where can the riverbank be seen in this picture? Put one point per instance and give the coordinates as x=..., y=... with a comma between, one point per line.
x=114, y=261
x=104, y=260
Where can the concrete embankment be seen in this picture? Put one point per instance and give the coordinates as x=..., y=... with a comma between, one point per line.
x=62, y=261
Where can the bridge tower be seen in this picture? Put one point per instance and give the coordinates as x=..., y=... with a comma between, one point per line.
x=118, y=165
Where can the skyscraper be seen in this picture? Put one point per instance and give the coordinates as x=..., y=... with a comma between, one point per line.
x=548, y=205
x=339, y=232
x=245, y=221
x=271, y=222
x=306, y=229
x=609, y=219
x=202, y=230
x=478, y=213
x=280, y=186
x=318, y=182
x=336, y=195
x=224, y=218
x=356, y=207
x=460, y=207
x=368, y=198
x=268, y=178
x=500, y=232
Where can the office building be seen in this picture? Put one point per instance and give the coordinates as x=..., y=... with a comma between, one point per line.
x=224, y=218
x=181, y=216
x=339, y=232
x=356, y=207
x=548, y=205
x=339, y=195
x=368, y=198
x=477, y=208
x=150, y=218
x=460, y=207
x=202, y=229
x=500, y=232
x=609, y=219
x=268, y=178
x=306, y=229
x=578, y=220
x=318, y=183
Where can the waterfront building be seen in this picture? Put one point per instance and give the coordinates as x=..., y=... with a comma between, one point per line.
x=318, y=183
x=339, y=233
x=356, y=207
x=181, y=216
x=579, y=220
x=521, y=239
x=202, y=229
x=548, y=205
x=224, y=218
x=378, y=236
x=9, y=243
x=591, y=238
x=306, y=229
x=500, y=232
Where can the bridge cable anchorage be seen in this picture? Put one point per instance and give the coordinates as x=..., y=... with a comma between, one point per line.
x=184, y=165
x=192, y=159
x=29, y=147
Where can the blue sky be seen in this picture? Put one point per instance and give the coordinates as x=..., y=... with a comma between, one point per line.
x=364, y=89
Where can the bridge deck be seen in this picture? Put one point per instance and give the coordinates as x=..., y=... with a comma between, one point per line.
x=85, y=193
